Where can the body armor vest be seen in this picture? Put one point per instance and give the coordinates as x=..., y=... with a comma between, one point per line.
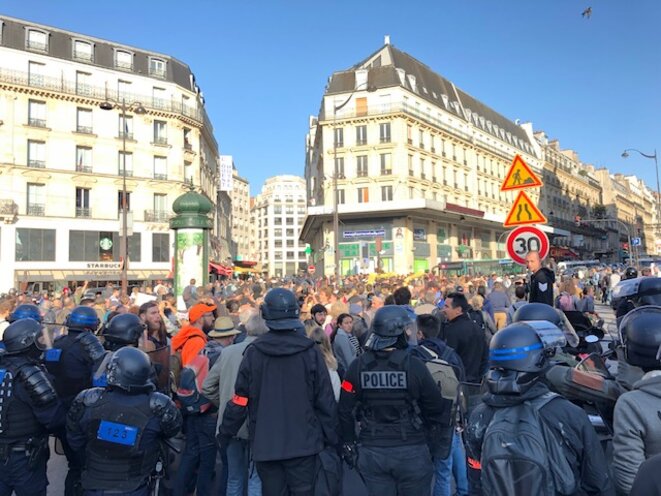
x=114, y=459
x=68, y=380
x=17, y=422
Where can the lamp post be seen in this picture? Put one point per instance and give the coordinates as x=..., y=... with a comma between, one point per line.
x=136, y=107
x=625, y=154
x=336, y=215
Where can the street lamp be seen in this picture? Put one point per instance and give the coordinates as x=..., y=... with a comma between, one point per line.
x=625, y=154
x=336, y=215
x=137, y=108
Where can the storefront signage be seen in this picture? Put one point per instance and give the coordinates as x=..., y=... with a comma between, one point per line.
x=419, y=234
x=104, y=265
x=364, y=233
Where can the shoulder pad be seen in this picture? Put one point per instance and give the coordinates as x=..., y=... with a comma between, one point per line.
x=37, y=384
x=91, y=345
x=91, y=395
x=85, y=398
x=167, y=412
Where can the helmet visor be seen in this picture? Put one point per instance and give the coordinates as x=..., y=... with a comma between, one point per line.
x=549, y=334
x=43, y=340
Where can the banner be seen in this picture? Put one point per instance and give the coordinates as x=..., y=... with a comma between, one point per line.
x=226, y=169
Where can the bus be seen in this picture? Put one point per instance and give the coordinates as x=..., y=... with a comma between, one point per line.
x=574, y=265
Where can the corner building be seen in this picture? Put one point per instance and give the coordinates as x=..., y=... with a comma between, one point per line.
x=419, y=166
x=62, y=156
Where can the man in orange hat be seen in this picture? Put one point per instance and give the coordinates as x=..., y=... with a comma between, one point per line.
x=191, y=338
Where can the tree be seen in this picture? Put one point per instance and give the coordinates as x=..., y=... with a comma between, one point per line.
x=599, y=212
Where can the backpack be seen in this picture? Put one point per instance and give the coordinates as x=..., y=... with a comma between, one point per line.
x=522, y=455
x=566, y=302
x=190, y=383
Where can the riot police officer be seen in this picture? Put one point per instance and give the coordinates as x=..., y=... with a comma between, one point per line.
x=72, y=362
x=29, y=410
x=25, y=311
x=122, y=330
x=397, y=403
x=120, y=427
x=636, y=435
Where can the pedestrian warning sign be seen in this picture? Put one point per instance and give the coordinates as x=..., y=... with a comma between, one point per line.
x=520, y=176
x=524, y=212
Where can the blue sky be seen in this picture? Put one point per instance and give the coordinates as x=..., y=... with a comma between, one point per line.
x=592, y=83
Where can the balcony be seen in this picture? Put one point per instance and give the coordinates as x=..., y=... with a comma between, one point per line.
x=84, y=129
x=124, y=65
x=84, y=168
x=160, y=177
x=157, y=216
x=83, y=212
x=83, y=55
x=361, y=142
x=37, y=164
x=384, y=139
x=160, y=140
x=188, y=146
x=37, y=46
x=386, y=172
x=361, y=173
x=125, y=134
x=34, y=122
x=129, y=172
x=36, y=209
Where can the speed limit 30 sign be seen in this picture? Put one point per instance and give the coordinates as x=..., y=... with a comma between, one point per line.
x=525, y=239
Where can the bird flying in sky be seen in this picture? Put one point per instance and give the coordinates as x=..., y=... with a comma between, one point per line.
x=587, y=13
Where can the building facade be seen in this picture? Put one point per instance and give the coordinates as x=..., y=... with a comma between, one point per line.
x=68, y=154
x=277, y=215
x=416, y=166
x=241, y=216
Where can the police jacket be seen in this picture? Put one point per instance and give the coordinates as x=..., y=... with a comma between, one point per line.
x=120, y=434
x=284, y=388
x=72, y=361
x=541, y=286
x=393, y=396
x=566, y=420
x=468, y=340
x=29, y=406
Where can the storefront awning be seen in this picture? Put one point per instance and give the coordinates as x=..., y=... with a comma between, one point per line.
x=219, y=269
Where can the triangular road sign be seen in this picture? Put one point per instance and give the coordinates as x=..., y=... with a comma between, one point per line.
x=520, y=176
x=524, y=212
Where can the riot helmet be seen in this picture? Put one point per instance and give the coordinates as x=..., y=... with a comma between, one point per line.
x=82, y=318
x=24, y=335
x=519, y=354
x=640, y=334
x=129, y=369
x=280, y=310
x=122, y=330
x=630, y=273
x=388, y=328
x=25, y=311
x=544, y=312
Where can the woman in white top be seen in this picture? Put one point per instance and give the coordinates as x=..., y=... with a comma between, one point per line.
x=317, y=334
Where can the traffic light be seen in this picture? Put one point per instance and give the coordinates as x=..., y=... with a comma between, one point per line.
x=577, y=220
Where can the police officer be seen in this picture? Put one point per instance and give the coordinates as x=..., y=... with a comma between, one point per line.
x=123, y=330
x=625, y=305
x=636, y=434
x=25, y=311
x=396, y=401
x=72, y=362
x=29, y=410
x=519, y=357
x=120, y=427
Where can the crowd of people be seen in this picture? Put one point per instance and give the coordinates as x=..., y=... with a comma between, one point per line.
x=278, y=385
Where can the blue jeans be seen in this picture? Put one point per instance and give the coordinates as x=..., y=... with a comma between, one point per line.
x=455, y=464
x=397, y=470
x=199, y=455
x=239, y=469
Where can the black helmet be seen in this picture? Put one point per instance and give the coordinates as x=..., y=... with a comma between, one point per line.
x=640, y=333
x=537, y=311
x=25, y=311
x=630, y=273
x=123, y=330
x=23, y=334
x=280, y=310
x=130, y=369
x=389, y=324
x=82, y=318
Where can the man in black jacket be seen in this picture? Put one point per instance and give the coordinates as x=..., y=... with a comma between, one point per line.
x=541, y=280
x=284, y=388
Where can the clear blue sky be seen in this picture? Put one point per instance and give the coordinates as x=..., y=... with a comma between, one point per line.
x=595, y=84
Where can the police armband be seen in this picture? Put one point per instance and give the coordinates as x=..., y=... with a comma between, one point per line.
x=167, y=413
x=36, y=382
x=92, y=346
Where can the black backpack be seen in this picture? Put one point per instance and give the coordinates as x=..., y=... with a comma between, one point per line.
x=521, y=455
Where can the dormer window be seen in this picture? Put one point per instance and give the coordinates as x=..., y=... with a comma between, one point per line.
x=157, y=67
x=83, y=50
x=124, y=60
x=36, y=40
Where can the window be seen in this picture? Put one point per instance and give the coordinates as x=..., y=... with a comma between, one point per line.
x=386, y=193
x=384, y=132
x=339, y=137
x=361, y=166
x=156, y=67
x=188, y=172
x=83, y=202
x=363, y=195
x=125, y=158
x=36, y=74
x=83, y=50
x=119, y=202
x=160, y=247
x=277, y=209
x=339, y=167
x=124, y=90
x=277, y=233
x=84, y=121
x=36, y=113
x=37, y=40
x=83, y=159
x=35, y=245
x=123, y=60
x=160, y=133
x=361, y=135
x=410, y=161
x=159, y=98
x=83, y=83
x=188, y=143
x=36, y=154
x=289, y=233
x=290, y=254
x=340, y=197
x=277, y=221
x=36, y=204
x=421, y=138
x=160, y=203
x=125, y=127
x=289, y=221
x=94, y=246
x=386, y=164
x=160, y=168
x=277, y=243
